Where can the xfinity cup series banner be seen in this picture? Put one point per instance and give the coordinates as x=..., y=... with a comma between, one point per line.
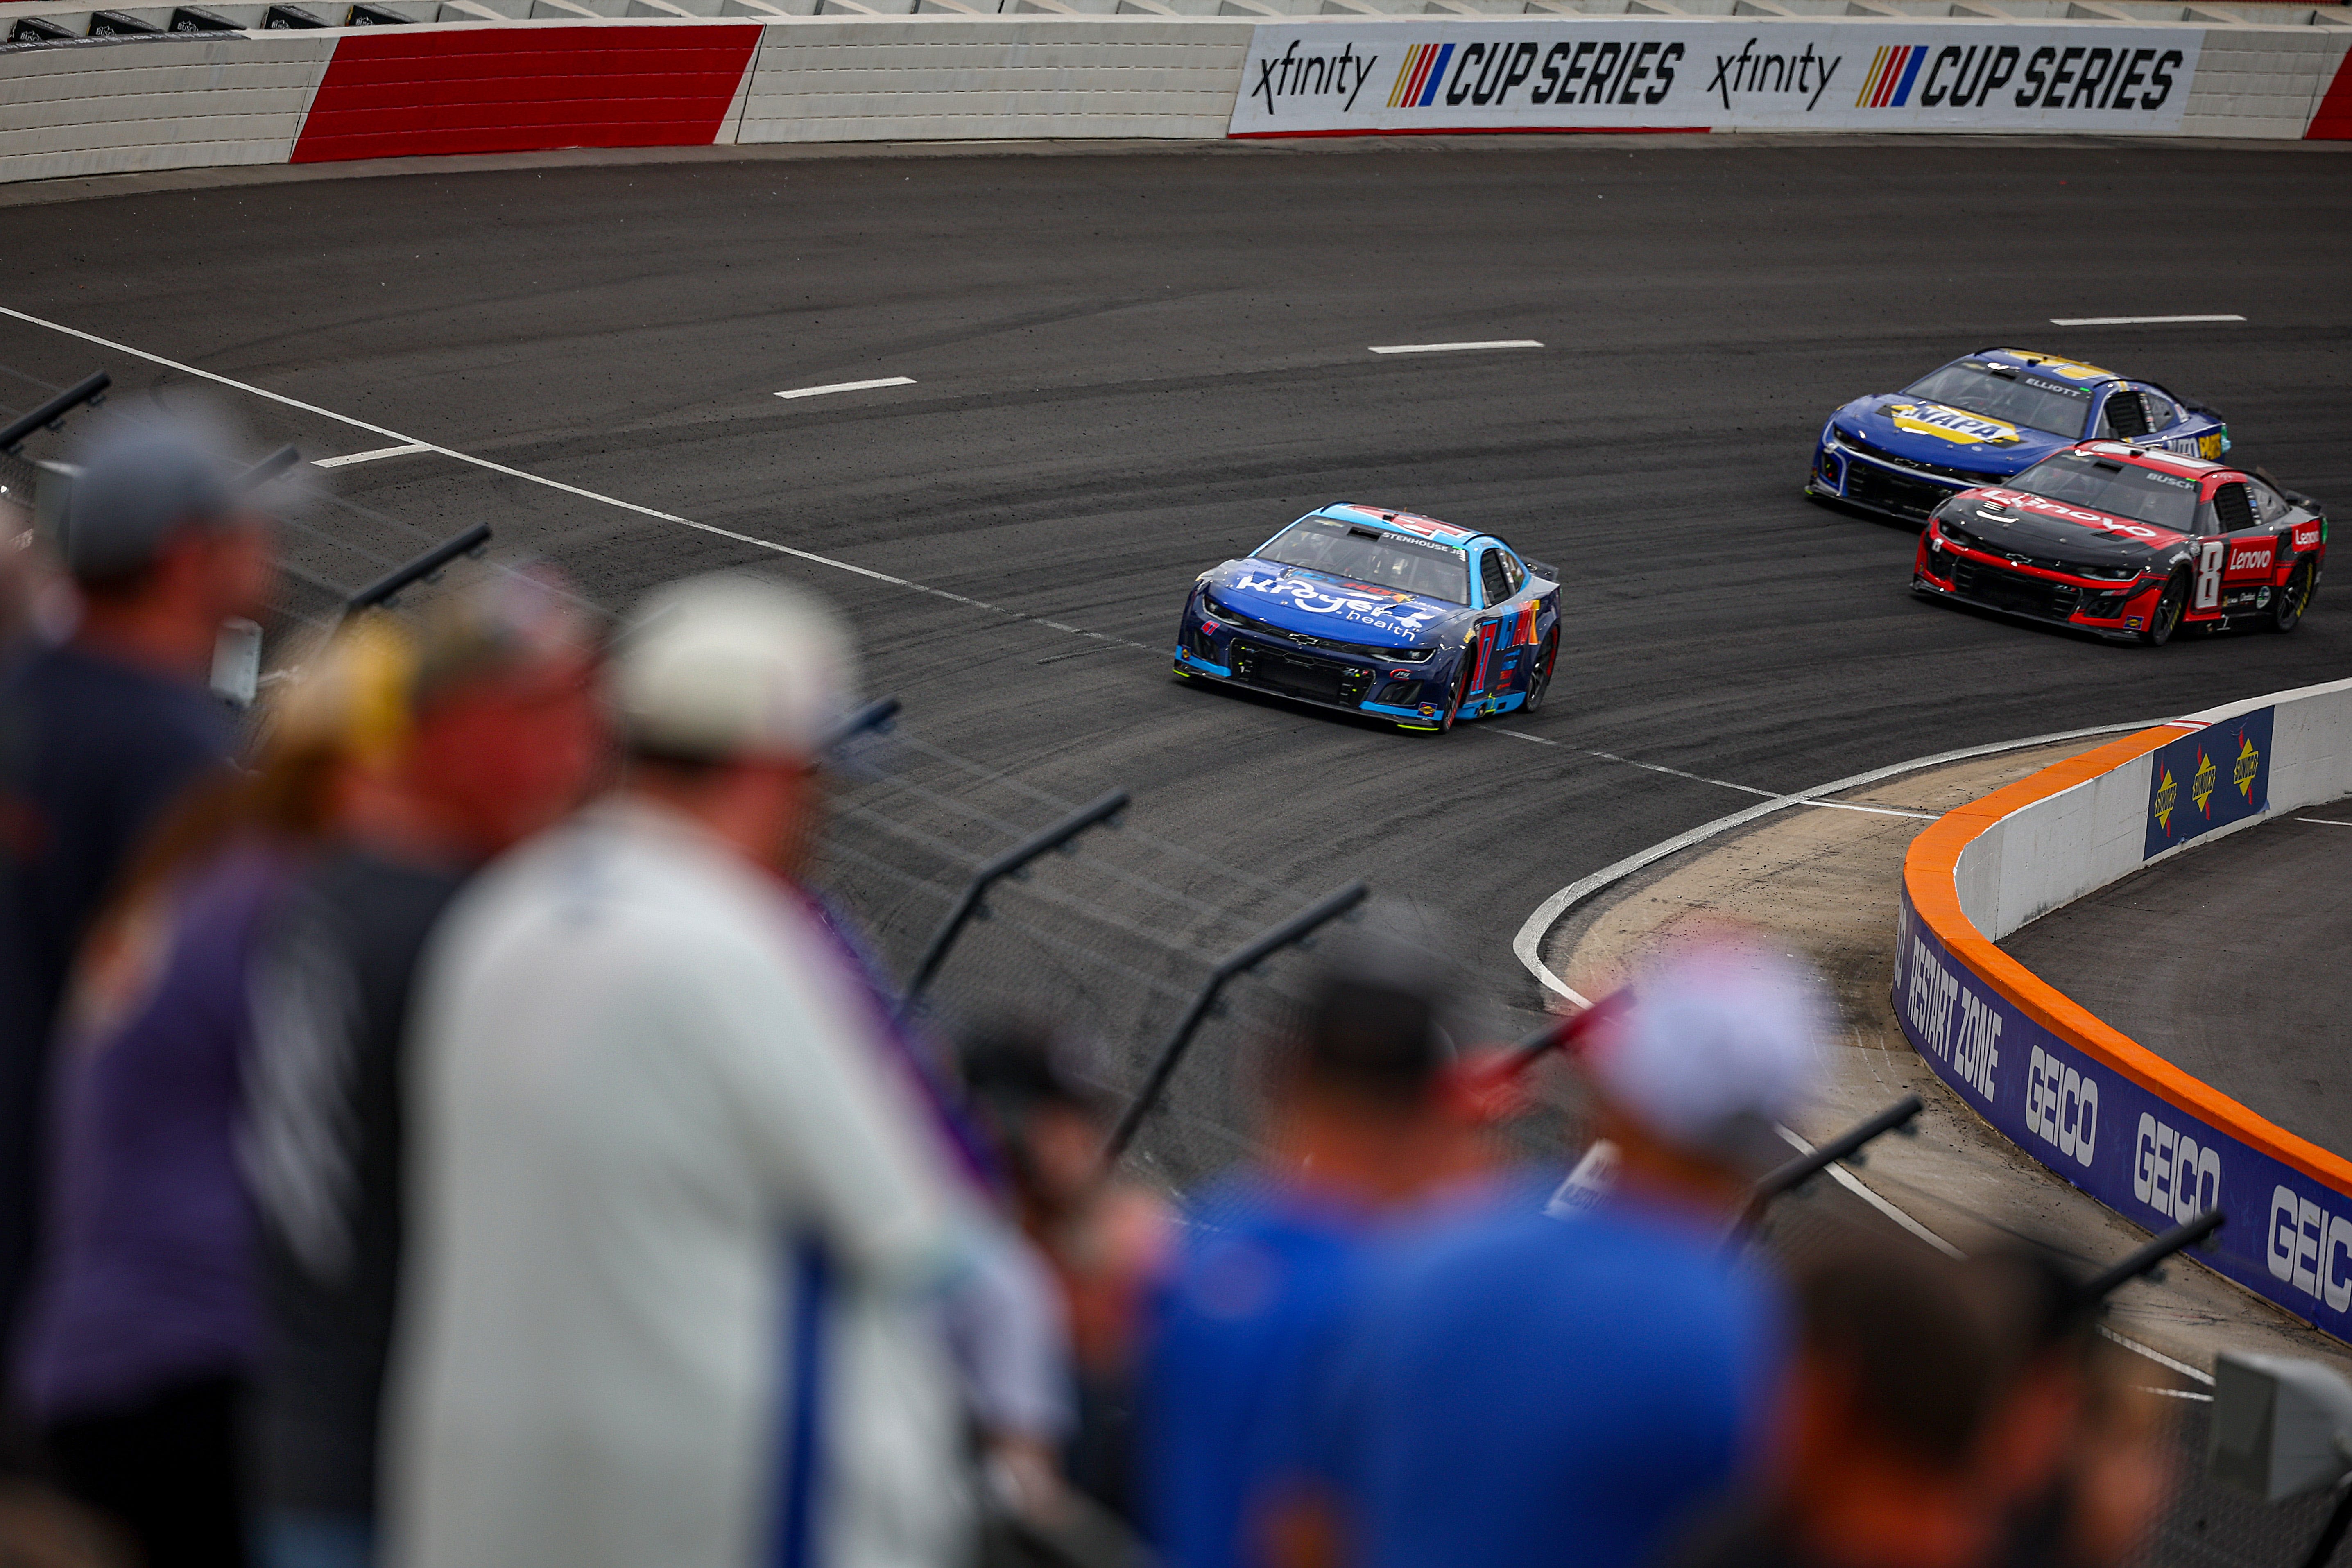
x=2287, y=1237
x=1318, y=78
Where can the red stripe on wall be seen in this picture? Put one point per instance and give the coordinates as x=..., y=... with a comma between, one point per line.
x=2334, y=121
x=392, y=93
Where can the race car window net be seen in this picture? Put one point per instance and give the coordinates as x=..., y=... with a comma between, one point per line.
x=1492, y=577
x=1418, y=566
x=2231, y=508
x=2125, y=415
x=1512, y=569
x=2117, y=488
x=2037, y=404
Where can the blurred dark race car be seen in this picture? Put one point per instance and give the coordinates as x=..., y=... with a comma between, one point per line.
x=1988, y=417
x=2129, y=542
x=1385, y=614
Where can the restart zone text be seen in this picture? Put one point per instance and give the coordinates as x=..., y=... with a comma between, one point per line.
x=1385, y=614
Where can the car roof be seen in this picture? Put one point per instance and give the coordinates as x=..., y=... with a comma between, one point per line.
x=1409, y=523
x=2163, y=462
x=2041, y=364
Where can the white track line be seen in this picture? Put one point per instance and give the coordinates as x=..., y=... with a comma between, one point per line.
x=1455, y=348
x=2324, y=821
x=808, y=555
x=1725, y=783
x=348, y=458
x=1528, y=944
x=848, y=386
x=2132, y=321
x=1853, y=1184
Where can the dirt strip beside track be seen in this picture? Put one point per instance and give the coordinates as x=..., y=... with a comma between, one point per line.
x=1826, y=880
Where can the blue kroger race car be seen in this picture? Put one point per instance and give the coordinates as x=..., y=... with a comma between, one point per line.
x=1982, y=419
x=1400, y=617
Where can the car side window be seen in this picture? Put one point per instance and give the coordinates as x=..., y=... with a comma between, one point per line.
x=1491, y=577
x=1513, y=569
x=2269, y=505
x=2232, y=507
x=2163, y=414
x=2125, y=415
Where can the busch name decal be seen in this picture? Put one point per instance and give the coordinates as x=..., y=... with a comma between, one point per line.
x=1340, y=75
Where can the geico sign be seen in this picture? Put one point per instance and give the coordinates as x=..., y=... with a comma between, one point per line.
x=2172, y=1173
x=2062, y=1106
x=2310, y=1248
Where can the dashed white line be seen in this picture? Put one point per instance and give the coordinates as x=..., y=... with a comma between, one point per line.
x=809, y=555
x=849, y=386
x=2132, y=321
x=1726, y=784
x=1455, y=348
x=348, y=458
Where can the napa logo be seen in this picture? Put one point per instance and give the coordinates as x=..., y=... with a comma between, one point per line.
x=1951, y=424
x=2073, y=370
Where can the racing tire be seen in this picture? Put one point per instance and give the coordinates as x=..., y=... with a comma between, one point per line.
x=1539, y=687
x=2169, y=607
x=2288, y=607
x=1454, y=699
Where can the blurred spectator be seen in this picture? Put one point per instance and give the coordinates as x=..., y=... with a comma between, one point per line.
x=492, y=730
x=1105, y=1238
x=1529, y=1390
x=1948, y=1414
x=142, y=1327
x=675, y=1221
x=100, y=735
x=1360, y=1128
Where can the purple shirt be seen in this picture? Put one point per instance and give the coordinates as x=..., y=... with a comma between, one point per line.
x=147, y=1278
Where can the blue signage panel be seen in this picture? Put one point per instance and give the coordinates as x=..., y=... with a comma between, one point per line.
x=2208, y=779
x=2287, y=1237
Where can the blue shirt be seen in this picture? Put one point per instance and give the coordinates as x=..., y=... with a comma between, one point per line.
x=1260, y=1277
x=1524, y=1390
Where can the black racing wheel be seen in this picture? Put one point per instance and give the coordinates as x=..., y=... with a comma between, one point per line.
x=2292, y=601
x=2167, y=618
x=1454, y=698
x=1540, y=677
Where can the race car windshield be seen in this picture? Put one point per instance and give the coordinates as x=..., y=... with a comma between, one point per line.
x=1419, y=566
x=2119, y=489
x=2013, y=400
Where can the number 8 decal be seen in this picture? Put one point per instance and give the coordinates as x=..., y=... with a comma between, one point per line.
x=2208, y=572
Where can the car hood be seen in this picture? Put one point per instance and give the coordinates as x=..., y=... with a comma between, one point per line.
x=1294, y=599
x=1923, y=432
x=2012, y=521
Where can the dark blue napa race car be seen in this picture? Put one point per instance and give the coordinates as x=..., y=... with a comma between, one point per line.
x=1399, y=617
x=1989, y=417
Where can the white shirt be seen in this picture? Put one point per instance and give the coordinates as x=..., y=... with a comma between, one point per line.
x=641, y=1085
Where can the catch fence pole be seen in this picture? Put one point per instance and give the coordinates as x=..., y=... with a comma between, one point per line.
x=1246, y=957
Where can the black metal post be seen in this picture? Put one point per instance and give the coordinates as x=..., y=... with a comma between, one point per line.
x=2163, y=1246
x=268, y=468
x=87, y=390
x=1562, y=1033
x=875, y=715
x=2331, y=1534
x=1248, y=957
x=996, y=870
x=1797, y=1172
x=384, y=589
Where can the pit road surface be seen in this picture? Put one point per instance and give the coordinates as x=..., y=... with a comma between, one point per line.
x=1126, y=368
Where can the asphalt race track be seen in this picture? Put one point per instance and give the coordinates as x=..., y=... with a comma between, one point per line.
x=1127, y=367
x=2227, y=961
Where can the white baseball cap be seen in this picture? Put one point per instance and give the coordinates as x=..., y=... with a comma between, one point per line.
x=1718, y=1036
x=727, y=666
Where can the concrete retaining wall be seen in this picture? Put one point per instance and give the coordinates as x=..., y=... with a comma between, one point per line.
x=2095, y=1106
x=954, y=70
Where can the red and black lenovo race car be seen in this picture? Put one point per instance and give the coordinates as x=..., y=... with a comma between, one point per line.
x=2114, y=539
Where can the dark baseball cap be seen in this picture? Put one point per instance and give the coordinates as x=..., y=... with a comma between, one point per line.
x=138, y=487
